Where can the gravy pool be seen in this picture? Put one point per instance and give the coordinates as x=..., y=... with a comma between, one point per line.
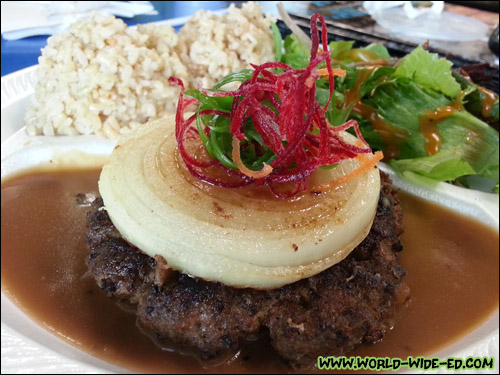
x=452, y=264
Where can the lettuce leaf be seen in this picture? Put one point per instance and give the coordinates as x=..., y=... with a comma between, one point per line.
x=400, y=104
x=469, y=145
x=335, y=116
x=430, y=71
x=420, y=82
x=379, y=50
x=444, y=166
x=474, y=98
x=478, y=141
x=342, y=51
x=278, y=41
x=340, y=48
x=296, y=53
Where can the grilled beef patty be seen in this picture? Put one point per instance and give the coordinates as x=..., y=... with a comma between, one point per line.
x=355, y=301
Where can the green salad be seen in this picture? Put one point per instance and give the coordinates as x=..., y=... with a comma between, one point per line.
x=429, y=121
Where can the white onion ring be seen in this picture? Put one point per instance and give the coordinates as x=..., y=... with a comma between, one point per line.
x=234, y=236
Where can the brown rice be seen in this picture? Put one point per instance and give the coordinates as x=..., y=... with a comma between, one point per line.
x=103, y=77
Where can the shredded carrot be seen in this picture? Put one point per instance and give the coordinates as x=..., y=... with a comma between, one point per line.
x=367, y=162
x=336, y=72
x=243, y=168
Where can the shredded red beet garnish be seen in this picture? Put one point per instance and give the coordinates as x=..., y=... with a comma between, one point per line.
x=296, y=131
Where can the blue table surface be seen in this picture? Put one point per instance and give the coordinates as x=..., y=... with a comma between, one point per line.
x=19, y=54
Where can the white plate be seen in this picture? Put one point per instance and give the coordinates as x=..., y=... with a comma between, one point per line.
x=29, y=348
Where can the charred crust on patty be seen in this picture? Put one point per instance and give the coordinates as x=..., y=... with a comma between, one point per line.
x=355, y=301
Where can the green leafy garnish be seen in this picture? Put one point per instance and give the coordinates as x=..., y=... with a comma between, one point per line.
x=297, y=54
x=429, y=71
x=400, y=93
x=218, y=103
x=340, y=48
x=278, y=41
x=379, y=49
x=239, y=76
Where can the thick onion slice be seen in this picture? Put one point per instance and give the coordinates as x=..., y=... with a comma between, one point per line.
x=243, y=237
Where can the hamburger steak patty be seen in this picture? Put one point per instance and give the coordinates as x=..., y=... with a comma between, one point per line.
x=355, y=301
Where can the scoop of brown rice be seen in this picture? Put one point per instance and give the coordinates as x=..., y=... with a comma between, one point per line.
x=103, y=77
x=211, y=47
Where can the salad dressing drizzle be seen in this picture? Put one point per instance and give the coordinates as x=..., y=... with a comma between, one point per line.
x=429, y=124
x=488, y=99
x=392, y=136
x=353, y=95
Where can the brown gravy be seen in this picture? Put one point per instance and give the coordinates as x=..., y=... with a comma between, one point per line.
x=452, y=265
